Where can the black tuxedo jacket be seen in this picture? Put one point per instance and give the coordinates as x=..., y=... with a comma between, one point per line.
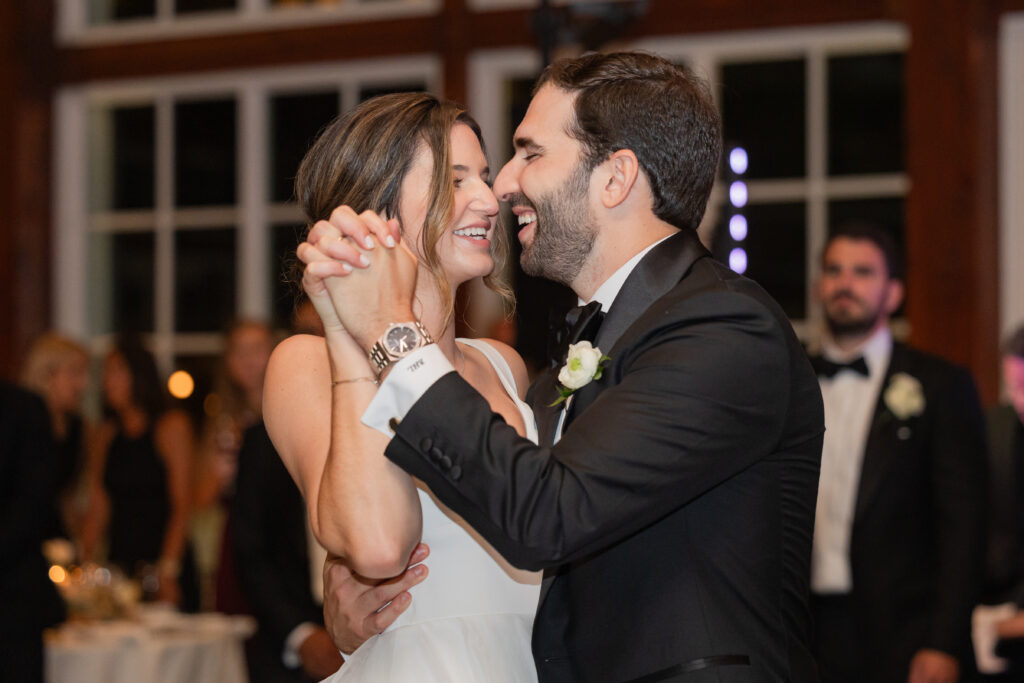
x=29, y=600
x=917, y=548
x=674, y=516
x=268, y=521
x=1004, y=574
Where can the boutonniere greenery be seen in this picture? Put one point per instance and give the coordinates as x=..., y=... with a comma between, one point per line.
x=904, y=397
x=583, y=365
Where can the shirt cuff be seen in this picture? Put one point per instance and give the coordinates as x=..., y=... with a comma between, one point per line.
x=404, y=385
x=290, y=657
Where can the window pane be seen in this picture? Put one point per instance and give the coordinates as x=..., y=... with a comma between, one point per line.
x=776, y=252
x=189, y=6
x=122, y=158
x=204, y=152
x=368, y=91
x=204, y=279
x=103, y=11
x=295, y=121
x=884, y=212
x=121, y=282
x=283, y=262
x=865, y=114
x=763, y=111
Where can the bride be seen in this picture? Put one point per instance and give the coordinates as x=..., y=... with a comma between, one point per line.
x=417, y=160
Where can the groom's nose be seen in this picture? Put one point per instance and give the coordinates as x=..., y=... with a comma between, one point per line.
x=506, y=184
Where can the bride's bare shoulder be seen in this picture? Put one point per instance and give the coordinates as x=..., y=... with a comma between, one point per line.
x=298, y=377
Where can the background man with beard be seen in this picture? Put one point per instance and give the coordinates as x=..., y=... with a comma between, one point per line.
x=901, y=518
x=671, y=500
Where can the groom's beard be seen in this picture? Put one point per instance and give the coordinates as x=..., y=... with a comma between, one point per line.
x=564, y=234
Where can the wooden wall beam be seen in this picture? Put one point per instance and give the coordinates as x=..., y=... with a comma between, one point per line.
x=26, y=79
x=952, y=224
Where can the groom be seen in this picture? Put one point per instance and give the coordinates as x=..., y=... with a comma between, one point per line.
x=671, y=501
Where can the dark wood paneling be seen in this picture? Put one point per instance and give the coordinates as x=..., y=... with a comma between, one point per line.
x=952, y=227
x=247, y=50
x=26, y=80
x=452, y=34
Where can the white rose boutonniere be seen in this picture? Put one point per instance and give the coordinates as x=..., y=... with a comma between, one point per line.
x=584, y=364
x=904, y=397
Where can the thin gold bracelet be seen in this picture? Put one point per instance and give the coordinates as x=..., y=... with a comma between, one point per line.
x=354, y=379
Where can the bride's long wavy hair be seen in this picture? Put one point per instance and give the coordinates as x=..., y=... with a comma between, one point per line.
x=363, y=156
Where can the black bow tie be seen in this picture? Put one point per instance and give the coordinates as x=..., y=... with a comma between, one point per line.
x=829, y=369
x=580, y=323
x=583, y=321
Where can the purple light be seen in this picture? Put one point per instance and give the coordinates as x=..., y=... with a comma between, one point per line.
x=738, y=194
x=738, y=160
x=738, y=227
x=738, y=260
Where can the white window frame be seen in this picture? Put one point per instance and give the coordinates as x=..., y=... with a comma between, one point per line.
x=1011, y=166
x=489, y=70
x=253, y=214
x=72, y=25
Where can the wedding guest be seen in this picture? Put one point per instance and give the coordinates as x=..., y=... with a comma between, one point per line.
x=1005, y=575
x=235, y=405
x=281, y=583
x=57, y=368
x=139, y=477
x=899, y=532
x=29, y=602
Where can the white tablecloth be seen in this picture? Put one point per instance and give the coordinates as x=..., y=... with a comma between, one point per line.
x=159, y=647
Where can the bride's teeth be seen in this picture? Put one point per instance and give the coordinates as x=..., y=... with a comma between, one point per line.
x=527, y=218
x=472, y=232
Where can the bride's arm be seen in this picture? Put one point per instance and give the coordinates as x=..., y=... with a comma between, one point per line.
x=361, y=506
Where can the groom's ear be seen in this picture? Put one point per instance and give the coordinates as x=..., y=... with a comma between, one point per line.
x=619, y=174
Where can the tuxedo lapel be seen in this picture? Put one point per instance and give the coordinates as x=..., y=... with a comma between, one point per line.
x=660, y=270
x=881, y=444
x=543, y=393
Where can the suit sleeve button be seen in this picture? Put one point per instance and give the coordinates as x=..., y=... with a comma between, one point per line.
x=445, y=462
x=436, y=454
x=455, y=473
x=425, y=444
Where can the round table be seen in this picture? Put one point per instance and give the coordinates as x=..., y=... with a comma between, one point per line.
x=158, y=647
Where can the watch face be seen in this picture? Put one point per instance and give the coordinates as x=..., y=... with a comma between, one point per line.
x=401, y=339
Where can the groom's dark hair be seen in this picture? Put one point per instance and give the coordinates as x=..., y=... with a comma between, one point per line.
x=661, y=111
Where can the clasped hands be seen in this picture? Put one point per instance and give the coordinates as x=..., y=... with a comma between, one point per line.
x=356, y=286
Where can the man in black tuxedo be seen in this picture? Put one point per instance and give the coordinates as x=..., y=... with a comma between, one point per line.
x=30, y=602
x=272, y=553
x=671, y=501
x=900, y=527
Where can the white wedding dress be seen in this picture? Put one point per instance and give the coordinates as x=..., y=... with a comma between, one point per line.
x=470, y=620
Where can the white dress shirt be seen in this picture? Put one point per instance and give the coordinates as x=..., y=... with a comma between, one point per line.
x=417, y=372
x=850, y=400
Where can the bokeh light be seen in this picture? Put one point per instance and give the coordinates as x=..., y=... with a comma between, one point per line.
x=181, y=384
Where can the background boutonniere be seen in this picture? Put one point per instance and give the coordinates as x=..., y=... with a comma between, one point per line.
x=583, y=364
x=904, y=396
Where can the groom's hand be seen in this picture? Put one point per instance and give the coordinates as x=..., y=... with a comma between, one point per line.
x=357, y=608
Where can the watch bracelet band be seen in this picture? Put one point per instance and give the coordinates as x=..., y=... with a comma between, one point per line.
x=379, y=355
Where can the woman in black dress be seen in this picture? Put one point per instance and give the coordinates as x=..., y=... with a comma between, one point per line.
x=140, y=467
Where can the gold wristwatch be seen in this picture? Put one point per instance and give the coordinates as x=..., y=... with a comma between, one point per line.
x=397, y=342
